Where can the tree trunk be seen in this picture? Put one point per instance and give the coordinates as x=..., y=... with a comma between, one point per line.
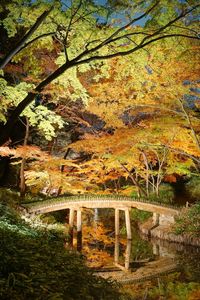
x=23, y=163
x=147, y=171
x=187, y=116
x=7, y=128
x=135, y=182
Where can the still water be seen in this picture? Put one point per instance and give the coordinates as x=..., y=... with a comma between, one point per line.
x=141, y=257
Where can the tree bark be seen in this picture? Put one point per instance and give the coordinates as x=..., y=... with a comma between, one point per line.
x=23, y=163
x=134, y=181
x=147, y=171
x=188, y=118
x=7, y=128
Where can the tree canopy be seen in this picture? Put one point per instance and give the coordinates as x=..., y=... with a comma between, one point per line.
x=125, y=72
x=83, y=34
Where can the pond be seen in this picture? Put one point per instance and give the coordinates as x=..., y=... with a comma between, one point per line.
x=140, y=258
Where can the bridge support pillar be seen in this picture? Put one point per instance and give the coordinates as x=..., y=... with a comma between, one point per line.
x=71, y=226
x=128, y=224
x=116, y=253
x=79, y=230
x=127, y=255
x=156, y=219
x=116, y=221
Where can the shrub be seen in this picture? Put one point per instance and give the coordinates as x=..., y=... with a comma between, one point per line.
x=189, y=221
x=140, y=215
x=166, y=194
x=34, y=264
x=193, y=188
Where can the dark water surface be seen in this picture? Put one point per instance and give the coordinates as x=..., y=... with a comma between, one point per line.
x=134, y=254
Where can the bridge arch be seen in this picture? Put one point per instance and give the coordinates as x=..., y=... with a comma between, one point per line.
x=162, y=213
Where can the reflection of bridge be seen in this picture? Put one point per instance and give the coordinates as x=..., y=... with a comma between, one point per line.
x=162, y=214
x=146, y=269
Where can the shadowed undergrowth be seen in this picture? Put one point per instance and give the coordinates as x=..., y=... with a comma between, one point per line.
x=35, y=265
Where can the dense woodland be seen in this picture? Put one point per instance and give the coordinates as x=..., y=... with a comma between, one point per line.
x=96, y=97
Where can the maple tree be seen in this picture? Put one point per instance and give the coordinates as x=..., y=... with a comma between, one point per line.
x=85, y=39
x=149, y=141
x=140, y=104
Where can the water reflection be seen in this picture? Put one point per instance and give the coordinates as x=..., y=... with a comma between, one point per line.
x=104, y=250
x=126, y=256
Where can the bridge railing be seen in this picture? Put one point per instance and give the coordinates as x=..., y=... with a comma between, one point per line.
x=90, y=197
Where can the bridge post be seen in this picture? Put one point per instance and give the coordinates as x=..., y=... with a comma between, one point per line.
x=71, y=226
x=116, y=221
x=128, y=224
x=156, y=219
x=127, y=254
x=116, y=253
x=79, y=230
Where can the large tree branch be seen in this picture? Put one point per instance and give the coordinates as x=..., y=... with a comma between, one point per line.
x=22, y=42
x=78, y=61
x=132, y=50
x=146, y=13
x=111, y=39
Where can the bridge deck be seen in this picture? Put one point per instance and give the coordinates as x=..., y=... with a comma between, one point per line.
x=59, y=203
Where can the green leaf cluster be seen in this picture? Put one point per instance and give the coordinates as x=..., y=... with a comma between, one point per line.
x=46, y=121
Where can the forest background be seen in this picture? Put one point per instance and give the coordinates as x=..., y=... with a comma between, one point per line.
x=122, y=78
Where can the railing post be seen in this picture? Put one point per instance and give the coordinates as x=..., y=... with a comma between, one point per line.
x=71, y=226
x=116, y=221
x=79, y=230
x=128, y=224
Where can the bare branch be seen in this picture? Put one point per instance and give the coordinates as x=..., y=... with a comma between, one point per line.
x=134, y=180
x=110, y=38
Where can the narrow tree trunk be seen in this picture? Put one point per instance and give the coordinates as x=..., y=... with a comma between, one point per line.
x=23, y=163
x=135, y=182
x=138, y=190
x=187, y=116
x=147, y=171
x=153, y=183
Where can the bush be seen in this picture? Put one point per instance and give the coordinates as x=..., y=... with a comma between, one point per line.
x=166, y=194
x=140, y=215
x=8, y=196
x=35, y=265
x=193, y=188
x=189, y=221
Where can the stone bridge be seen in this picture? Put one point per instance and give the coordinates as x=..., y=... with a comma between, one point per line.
x=162, y=214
